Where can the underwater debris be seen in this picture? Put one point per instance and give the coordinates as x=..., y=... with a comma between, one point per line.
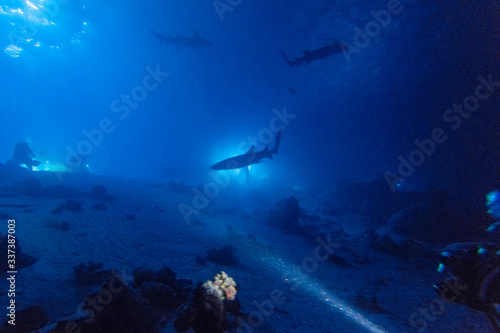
x=209, y=306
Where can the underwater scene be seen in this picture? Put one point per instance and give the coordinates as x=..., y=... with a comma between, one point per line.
x=240, y=166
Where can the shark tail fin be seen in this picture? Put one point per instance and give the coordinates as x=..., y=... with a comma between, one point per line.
x=288, y=61
x=277, y=143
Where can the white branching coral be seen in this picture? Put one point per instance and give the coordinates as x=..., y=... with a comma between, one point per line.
x=222, y=286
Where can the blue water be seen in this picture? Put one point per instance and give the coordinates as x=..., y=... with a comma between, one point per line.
x=356, y=112
x=69, y=68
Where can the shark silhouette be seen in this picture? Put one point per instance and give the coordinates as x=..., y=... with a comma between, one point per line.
x=317, y=54
x=248, y=158
x=181, y=41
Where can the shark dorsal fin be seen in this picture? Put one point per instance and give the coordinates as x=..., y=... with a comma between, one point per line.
x=251, y=150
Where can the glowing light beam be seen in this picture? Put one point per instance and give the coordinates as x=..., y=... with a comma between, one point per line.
x=317, y=291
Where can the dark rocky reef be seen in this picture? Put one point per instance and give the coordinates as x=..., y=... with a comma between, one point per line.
x=32, y=186
x=368, y=303
x=285, y=216
x=98, y=193
x=161, y=288
x=223, y=256
x=22, y=259
x=208, y=309
x=406, y=248
x=432, y=218
x=146, y=306
x=431, y=215
x=115, y=308
x=27, y=320
x=71, y=205
x=91, y=273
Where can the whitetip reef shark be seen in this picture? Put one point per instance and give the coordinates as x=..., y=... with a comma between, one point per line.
x=248, y=158
x=317, y=54
x=181, y=41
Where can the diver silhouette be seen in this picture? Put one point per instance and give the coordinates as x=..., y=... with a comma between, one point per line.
x=23, y=154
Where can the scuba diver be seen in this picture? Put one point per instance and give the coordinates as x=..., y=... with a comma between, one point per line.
x=472, y=272
x=23, y=154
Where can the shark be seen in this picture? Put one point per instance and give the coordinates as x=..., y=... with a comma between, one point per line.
x=248, y=158
x=317, y=54
x=181, y=41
